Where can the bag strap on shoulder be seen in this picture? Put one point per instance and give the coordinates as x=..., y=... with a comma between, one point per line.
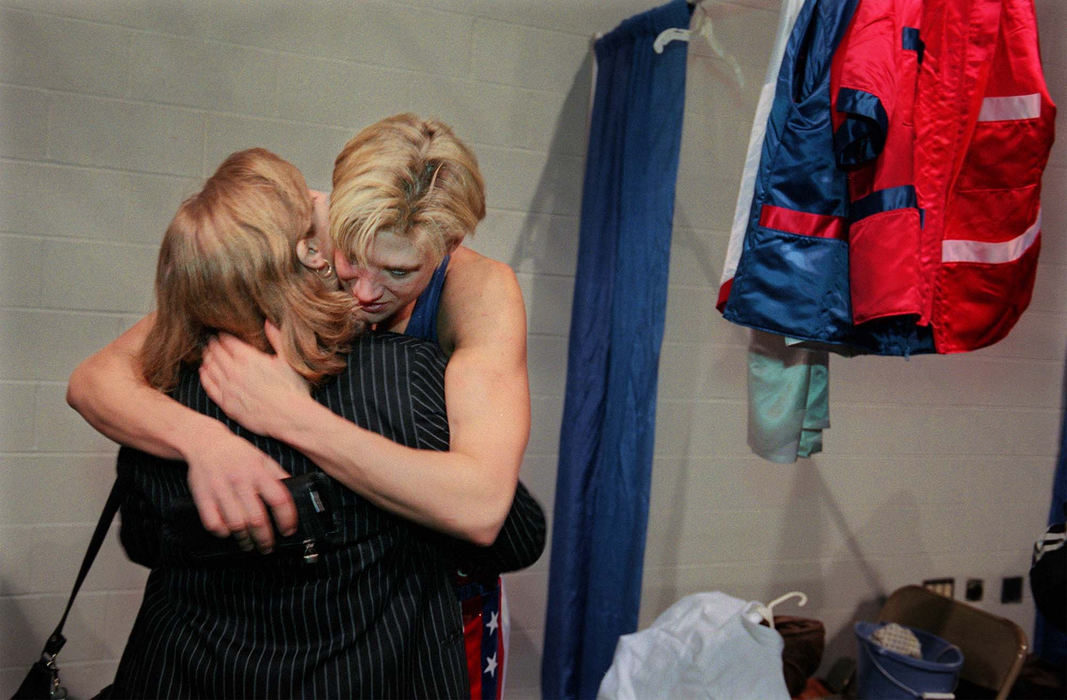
x=57, y=640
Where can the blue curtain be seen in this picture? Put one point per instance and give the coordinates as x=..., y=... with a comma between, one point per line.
x=620, y=294
x=1049, y=642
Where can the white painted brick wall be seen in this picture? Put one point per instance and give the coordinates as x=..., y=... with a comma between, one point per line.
x=111, y=111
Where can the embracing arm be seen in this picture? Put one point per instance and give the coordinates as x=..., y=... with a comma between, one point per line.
x=520, y=544
x=483, y=327
x=109, y=393
x=465, y=492
x=227, y=475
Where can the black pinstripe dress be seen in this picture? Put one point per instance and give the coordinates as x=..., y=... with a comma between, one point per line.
x=375, y=618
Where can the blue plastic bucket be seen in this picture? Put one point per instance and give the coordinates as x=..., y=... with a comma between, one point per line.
x=883, y=674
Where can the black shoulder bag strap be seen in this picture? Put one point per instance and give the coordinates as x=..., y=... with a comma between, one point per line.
x=43, y=679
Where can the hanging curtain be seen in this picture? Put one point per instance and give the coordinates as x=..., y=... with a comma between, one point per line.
x=620, y=293
x=1049, y=642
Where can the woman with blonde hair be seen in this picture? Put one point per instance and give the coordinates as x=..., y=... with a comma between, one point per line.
x=367, y=612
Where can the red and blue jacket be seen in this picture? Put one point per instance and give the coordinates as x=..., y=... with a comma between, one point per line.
x=896, y=207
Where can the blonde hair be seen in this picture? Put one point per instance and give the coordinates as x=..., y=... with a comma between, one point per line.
x=228, y=262
x=412, y=177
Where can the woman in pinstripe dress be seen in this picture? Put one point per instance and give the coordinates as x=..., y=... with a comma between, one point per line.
x=374, y=616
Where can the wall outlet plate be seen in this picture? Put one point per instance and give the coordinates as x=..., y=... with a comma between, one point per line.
x=1011, y=589
x=941, y=586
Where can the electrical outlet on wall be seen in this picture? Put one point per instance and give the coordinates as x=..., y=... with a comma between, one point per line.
x=941, y=586
x=1011, y=589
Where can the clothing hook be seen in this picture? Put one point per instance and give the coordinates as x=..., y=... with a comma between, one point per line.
x=767, y=611
x=667, y=36
x=791, y=594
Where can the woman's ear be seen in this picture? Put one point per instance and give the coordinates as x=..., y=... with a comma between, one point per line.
x=310, y=255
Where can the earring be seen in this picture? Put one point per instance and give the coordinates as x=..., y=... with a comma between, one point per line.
x=325, y=272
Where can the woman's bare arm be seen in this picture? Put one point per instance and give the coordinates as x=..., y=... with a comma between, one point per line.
x=465, y=492
x=230, y=480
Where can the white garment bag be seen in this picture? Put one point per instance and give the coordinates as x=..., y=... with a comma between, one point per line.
x=707, y=645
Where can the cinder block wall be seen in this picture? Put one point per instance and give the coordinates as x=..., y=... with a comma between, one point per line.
x=112, y=111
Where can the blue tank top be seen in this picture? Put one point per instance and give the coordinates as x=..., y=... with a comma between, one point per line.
x=423, y=321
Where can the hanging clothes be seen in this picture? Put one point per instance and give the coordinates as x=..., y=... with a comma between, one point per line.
x=791, y=276
x=620, y=293
x=945, y=215
x=941, y=260
x=788, y=386
x=873, y=81
x=984, y=130
x=788, y=398
x=786, y=18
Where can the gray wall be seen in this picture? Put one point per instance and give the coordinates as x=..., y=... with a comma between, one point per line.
x=111, y=111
